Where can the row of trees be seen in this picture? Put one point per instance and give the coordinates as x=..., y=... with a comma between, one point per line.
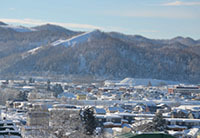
x=11, y=94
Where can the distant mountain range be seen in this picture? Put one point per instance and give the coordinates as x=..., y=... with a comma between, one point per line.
x=52, y=49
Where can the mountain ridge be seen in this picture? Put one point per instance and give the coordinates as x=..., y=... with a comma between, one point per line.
x=99, y=54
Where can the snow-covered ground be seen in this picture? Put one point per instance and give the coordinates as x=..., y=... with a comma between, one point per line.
x=145, y=82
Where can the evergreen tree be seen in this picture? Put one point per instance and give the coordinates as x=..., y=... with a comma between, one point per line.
x=159, y=123
x=57, y=89
x=22, y=96
x=24, y=82
x=31, y=80
x=149, y=84
x=7, y=81
x=48, y=85
x=87, y=116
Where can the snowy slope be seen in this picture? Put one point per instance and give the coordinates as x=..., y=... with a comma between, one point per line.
x=76, y=39
x=136, y=81
x=18, y=28
x=32, y=52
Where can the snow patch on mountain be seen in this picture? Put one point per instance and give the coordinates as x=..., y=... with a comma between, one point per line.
x=34, y=51
x=76, y=39
x=31, y=52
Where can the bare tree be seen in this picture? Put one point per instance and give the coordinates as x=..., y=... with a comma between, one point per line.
x=66, y=123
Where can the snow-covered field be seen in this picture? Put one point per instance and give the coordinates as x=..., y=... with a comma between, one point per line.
x=145, y=82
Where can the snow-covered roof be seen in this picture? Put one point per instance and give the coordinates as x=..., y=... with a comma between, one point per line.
x=182, y=120
x=113, y=109
x=189, y=107
x=28, y=87
x=173, y=133
x=176, y=126
x=108, y=123
x=112, y=116
x=193, y=131
x=63, y=110
x=135, y=115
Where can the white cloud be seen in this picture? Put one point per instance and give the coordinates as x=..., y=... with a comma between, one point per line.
x=114, y=28
x=157, y=14
x=181, y=3
x=11, y=9
x=149, y=31
x=34, y=22
x=40, y=22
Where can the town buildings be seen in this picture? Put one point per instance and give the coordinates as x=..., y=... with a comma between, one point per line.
x=50, y=108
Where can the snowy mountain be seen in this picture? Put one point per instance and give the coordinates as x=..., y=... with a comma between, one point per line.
x=55, y=50
x=2, y=23
x=17, y=28
x=55, y=28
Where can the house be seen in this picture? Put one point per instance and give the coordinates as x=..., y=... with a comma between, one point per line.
x=114, y=109
x=164, y=107
x=182, y=122
x=127, y=116
x=38, y=118
x=126, y=96
x=146, y=107
x=9, y=129
x=151, y=106
x=38, y=115
x=127, y=106
x=81, y=96
x=179, y=113
x=145, y=135
x=194, y=115
x=184, y=90
x=170, y=90
x=91, y=97
x=139, y=108
x=126, y=128
x=113, y=118
x=176, y=127
x=108, y=120
x=193, y=132
x=100, y=111
x=100, y=119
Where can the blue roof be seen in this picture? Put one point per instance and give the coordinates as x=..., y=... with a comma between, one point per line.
x=100, y=110
x=126, y=125
x=116, y=109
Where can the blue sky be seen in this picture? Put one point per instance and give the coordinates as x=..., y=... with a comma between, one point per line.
x=150, y=18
